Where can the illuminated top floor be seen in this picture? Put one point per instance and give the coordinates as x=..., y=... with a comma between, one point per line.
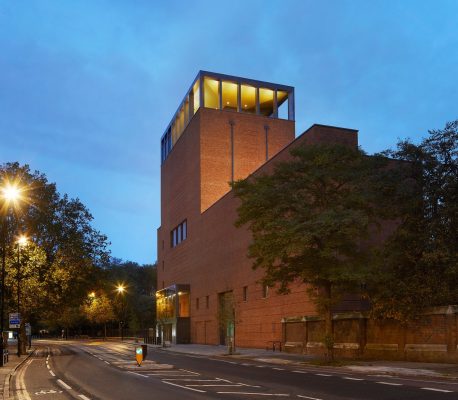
x=229, y=93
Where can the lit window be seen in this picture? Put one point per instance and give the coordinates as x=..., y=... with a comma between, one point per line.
x=229, y=96
x=248, y=99
x=282, y=104
x=211, y=93
x=266, y=102
x=196, y=93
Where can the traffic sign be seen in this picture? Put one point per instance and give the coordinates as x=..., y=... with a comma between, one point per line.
x=15, y=320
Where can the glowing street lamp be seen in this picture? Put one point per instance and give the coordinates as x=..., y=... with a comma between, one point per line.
x=21, y=242
x=120, y=289
x=10, y=193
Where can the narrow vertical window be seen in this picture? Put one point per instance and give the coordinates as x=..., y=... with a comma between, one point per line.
x=197, y=303
x=245, y=293
x=265, y=291
x=185, y=230
x=211, y=96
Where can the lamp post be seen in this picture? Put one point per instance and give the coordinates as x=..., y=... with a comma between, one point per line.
x=22, y=241
x=10, y=193
x=121, y=289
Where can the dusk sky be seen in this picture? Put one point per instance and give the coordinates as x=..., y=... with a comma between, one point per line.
x=87, y=87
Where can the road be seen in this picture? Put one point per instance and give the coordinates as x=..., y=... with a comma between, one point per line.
x=107, y=371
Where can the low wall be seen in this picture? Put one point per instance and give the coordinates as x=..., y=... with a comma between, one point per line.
x=432, y=337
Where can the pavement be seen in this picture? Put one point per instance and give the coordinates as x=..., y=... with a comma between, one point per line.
x=9, y=368
x=396, y=368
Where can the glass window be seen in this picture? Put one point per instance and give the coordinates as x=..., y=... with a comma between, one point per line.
x=181, y=122
x=229, y=96
x=245, y=293
x=211, y=93
x=185, y=230
x=248, y=98
x=282, y=104
x=196, y=94
x=266, y=102
x=178, y=234
x=186, y=112
x=197, y=303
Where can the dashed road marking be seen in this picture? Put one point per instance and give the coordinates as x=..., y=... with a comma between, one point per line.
x=323, y=374
x=84, y=397
x=307, y=397
x=300, y=372
x=184, y=387
x=437, y=390
x=278, y=369
x=106, y=362
x=52, y=373
x=63, y=384
x=352, y=379
x=389, y=383
x=257, y=394
x=136, y=373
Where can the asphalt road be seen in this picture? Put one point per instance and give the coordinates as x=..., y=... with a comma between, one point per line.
x=107, y=371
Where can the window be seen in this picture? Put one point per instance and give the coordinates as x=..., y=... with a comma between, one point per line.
x=207, y=301
x=245, y=293
x=230, y=91
x=197, y=303
x=179, y=234
x=266, y=102
x=248, y=98
x=196, y=93
x=282, y=104
x=211, y=93
x=265, y=291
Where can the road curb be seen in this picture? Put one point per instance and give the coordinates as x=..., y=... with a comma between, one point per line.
x=6, y=383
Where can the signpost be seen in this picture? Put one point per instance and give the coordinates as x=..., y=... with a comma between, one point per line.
x=15, y=320
x=139, y=355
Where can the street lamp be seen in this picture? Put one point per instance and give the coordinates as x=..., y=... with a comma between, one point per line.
x=10, y=194
x=120, y=288
x=21, y=242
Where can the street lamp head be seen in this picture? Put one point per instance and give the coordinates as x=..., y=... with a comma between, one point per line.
x=92, y=295
x=22, y=240
x=120, y=288
x=11, y=193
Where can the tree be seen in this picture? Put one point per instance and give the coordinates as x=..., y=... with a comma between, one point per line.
x=419, y=264
x=71, y=250
x=311, y=221
x=98, y=309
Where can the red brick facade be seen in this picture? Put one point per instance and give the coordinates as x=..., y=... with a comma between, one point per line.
x=215, y=147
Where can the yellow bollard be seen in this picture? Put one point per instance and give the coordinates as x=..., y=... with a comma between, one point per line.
x=139, y=355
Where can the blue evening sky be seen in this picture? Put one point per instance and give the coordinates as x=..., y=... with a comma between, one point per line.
x=87, y=87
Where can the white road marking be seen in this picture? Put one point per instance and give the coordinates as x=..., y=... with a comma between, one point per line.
x=215, y=384
x=257, y=394
x=307, y=397
x=323, y=374
x=390, y=383
x=136, y=373
x=437, y=390
x=184, y=387
x=300, y=372
x=352, y=379
x=278, y=369
x=247, y=365
x=52, y=373
x=63, y=384
x=47, y=366
x=193, y=380
x=106, y=362
x=84, y=397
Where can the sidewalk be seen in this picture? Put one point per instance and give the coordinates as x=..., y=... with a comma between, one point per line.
x=8, y=369
x=398, y=368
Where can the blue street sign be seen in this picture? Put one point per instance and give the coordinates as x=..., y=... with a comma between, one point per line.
x=15, y=320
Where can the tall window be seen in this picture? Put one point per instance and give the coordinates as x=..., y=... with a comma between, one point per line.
x=245, y=293
x=197, y=303
x=211, y=93
x=230, y=94
x=265, y=291
x=266, y=102
x=248, y=98
x=178, y=234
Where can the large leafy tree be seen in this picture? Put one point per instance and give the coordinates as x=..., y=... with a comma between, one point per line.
x=419, y=265
x=65, y=250
x=311, y=221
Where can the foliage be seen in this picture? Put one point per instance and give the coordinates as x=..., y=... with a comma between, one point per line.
x=311, y=220
x=98, y=308
x=419, y=265
x=65, y=251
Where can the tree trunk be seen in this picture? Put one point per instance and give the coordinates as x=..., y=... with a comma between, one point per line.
x=328, y=325
x=23, y=336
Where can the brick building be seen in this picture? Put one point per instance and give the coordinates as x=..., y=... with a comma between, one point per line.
x=225, y=129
